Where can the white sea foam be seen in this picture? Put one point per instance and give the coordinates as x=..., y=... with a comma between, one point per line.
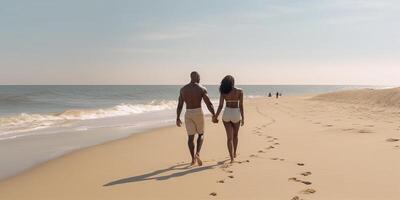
x=254, y=96
x=28, y=122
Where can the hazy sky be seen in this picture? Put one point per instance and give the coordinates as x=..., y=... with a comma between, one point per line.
x=161, y=41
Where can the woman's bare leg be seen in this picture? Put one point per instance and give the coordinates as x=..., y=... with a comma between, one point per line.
x=229, y=142
x=235, y=138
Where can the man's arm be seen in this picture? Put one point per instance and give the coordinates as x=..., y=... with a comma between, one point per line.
x=179, y=110
x=208, y=103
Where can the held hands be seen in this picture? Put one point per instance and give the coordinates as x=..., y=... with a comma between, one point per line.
x=178, y=122
x=215, y=119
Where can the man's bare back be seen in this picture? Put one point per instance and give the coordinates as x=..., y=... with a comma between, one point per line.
x=192, y=94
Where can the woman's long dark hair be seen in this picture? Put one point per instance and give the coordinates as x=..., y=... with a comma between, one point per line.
x=227, y=84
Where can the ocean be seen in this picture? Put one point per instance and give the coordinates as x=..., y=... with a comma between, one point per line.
x=38, y=123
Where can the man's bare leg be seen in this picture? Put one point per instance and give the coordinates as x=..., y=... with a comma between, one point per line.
x=198, y=149
x=191, y=149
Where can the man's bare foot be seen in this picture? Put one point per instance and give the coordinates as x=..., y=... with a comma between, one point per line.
x=193, y=162
x=199, y=160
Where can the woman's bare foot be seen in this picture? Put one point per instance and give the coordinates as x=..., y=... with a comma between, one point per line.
x=232, y=161
x=199, y=160
x=234, y=155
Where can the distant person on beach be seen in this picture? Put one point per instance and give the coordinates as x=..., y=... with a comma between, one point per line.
x=192, y=95
x=233, y=116
x=270, y=95
x=277, y=95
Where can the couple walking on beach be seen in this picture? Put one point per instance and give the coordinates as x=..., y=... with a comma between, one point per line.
x=192, y=95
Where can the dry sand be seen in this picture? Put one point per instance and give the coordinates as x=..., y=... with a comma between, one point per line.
x=327, y=147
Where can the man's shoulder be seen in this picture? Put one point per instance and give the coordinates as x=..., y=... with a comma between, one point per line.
x=194, y=88
x=202, y=87
x=184, y=87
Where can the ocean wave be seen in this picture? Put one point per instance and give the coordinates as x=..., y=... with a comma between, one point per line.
x=253, y=96
x=27, y=122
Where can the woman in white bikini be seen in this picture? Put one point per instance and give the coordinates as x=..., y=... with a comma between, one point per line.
x=233, y=116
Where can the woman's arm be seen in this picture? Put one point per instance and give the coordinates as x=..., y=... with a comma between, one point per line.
x=221, y=104
x=241, y=106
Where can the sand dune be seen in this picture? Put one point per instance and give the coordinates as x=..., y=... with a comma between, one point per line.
x=384, y=97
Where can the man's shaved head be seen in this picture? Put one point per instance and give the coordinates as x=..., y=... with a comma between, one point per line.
x=195, y=77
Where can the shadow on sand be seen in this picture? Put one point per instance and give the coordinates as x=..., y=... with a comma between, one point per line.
x=183, y=169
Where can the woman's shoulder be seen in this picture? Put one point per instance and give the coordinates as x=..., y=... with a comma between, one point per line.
x=240, y=90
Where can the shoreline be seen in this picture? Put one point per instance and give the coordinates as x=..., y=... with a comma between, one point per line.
x=275, y=161
x=76, y=150
x=37, y=162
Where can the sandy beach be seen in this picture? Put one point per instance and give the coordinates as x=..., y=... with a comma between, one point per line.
x=331, y=147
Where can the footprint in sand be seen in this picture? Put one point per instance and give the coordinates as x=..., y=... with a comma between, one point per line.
x=261, y=151
x=306, y=182
x=308, y=191
x=270, y=147
x=276, y=144
x=365, y=131
x=221, y=181
x=213, y=194
x=292, y=179
x=392, y=140
x=296, y=198
x=369, y=126
x=280, y=159
x=328, y=125
x=306, y=174
x=300, y=164
x=229, y=171
x=299, y=181
x=231, y=177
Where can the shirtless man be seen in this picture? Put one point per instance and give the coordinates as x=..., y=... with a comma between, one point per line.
x=192, y=94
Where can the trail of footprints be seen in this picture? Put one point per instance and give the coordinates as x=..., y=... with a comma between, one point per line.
x=272, y=144
x=307, y=191
x=226, y=167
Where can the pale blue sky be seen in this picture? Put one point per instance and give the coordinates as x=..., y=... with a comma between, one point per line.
x=160, y=42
